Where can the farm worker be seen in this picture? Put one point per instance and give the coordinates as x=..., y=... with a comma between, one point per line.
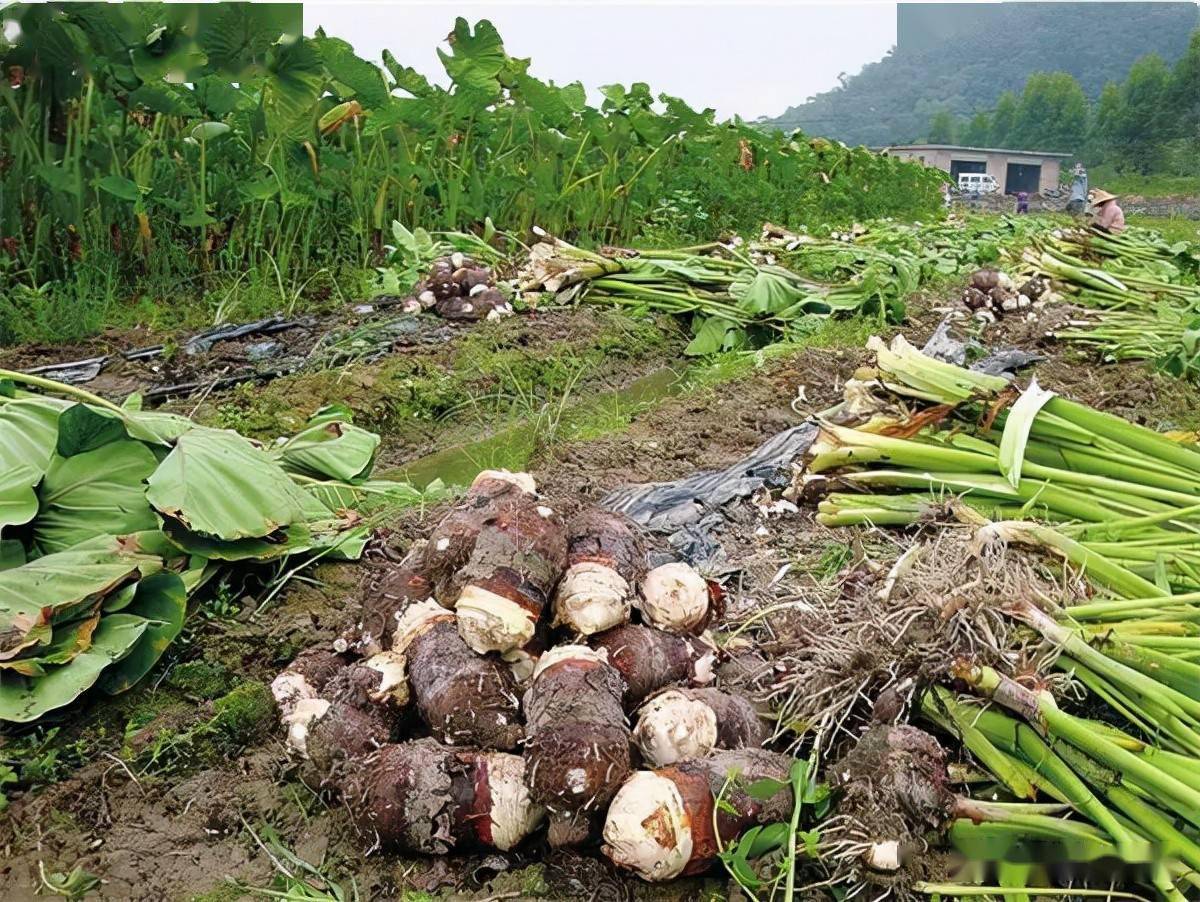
x=1022, y=201
x=1109, y=215
x=1079, y=190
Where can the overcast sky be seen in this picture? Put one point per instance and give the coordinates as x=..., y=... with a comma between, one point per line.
x=749, y=59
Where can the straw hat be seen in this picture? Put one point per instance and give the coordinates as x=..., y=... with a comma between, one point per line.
x=1099, y=196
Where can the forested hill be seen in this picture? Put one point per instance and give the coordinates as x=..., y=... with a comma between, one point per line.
x=975, y=52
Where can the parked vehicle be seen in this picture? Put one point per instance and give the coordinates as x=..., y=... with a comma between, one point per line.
x=977, y=183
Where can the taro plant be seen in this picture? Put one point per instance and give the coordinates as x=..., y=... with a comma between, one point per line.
x=195, y=142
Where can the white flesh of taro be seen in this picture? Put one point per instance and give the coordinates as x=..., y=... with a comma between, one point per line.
x=393, y=671
x=672, y=727
x=514, y=814
x=491, y=622
x=289, y=689
x=884, y=856
x=306, y=712
x=415, y=620
x=521, y=663
x=675, y=597
x=592, y=598
x=569, y=653
x=647, y=828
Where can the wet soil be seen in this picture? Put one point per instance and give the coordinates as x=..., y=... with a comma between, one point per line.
x=180, y=824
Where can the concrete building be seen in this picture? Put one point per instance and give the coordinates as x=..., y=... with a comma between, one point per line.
x=1013, y=170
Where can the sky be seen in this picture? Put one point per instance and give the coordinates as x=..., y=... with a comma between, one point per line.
x=749, y=59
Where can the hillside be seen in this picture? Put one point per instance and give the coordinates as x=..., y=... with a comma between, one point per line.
x=961, y=57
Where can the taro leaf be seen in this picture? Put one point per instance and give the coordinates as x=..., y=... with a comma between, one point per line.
x=208, y=131
x=294, y=540
x=238, y=36
x=259, y=189
x=1016, y=430
x=12, y=554
x=293, y=87
x=56, y=178
x=650, y=126
x=23, y=699
x=766, y=292
x=162, y=98
x=94, y=493
x=162, y=600
x=217, y=483
x=69, y=639
x=337, y=412
x=82, y=428
x=18, y=500
x=168, y=53
x=34, y=594
x=710, y=337
x=556, y=104
x=156, y=427
x=330, y=450
x=28, y=431
x=120, y=599
x=344, y=496
x=407, y=78
x=347, y=545
x=119, y=187
x=218, y=97
x=764, y=789
x=476, y=59
x=196, y=219
x=360, y=76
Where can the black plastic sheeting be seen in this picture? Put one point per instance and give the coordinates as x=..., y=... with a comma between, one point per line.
x=202, y=343
x=690, y=511
x=1001, y=362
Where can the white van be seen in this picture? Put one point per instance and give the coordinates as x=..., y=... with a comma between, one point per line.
x=977, y=183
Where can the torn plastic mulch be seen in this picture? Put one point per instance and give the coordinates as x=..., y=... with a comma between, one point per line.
x=690, y=511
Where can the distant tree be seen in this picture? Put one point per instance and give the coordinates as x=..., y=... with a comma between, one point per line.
x=1052, y=114
x=1101, y=143
x=992, y=48
x=978, y=131
x=1144, y=121
x=1184, y=91
x=942, y=128
x=1003, y=120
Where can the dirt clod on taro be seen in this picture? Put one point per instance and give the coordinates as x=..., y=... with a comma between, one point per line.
x=893, y=792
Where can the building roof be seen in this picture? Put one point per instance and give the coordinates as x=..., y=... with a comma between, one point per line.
x=1007, y=150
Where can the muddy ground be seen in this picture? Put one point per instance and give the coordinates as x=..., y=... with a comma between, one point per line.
x=181, y=789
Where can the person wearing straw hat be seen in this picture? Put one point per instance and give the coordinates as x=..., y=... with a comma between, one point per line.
x=1109, y=216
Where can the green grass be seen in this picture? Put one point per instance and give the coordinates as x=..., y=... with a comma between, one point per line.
x=94, y=300
x=1173, y=228
x=1109, y=179
x=493, y=372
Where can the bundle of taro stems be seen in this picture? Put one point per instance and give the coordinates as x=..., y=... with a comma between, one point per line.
x=736, y=286
x=1120, y=771
x=1138, y=294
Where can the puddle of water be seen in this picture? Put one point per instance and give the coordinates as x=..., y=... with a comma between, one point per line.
x=512, y=447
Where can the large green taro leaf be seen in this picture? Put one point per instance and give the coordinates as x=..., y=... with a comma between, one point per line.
x=332, y=450
x=162, y=600
x=28, y=432
x=217, y=483
x=33, y=595
x=23, y=699
x=94, y=493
